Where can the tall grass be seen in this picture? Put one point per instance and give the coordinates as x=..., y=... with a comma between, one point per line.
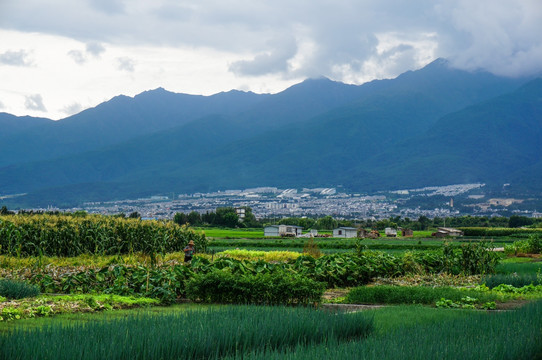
x=411, y=295
x=519, y=268
x=497, y=336
x=200, y=334
x=13, y=289
x=516, y=280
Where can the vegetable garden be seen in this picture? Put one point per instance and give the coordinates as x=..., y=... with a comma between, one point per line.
x=101, y=263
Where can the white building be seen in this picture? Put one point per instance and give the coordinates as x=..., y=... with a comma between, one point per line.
x=345, y=232
x=390, y=232
x=282, y=230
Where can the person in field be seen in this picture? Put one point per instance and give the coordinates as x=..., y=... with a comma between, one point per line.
x=189, y=251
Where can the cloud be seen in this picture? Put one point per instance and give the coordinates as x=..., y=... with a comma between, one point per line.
x=34, y=102
x=125, y=64
x=71, y=109
x=108, y=6
x=2, y=105
x=77, y=56
x=16, y=58
x=95, y=49
x=307, y=37
x=275, y=61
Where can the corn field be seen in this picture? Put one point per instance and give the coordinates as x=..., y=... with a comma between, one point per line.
x=58, y=235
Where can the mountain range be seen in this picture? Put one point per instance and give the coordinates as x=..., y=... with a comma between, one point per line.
x=433, y=126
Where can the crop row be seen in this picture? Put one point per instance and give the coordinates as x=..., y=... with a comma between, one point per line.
x=336, y=270
x=72, y=236
x=210, y=333
x=500, y=336
x=489, y=232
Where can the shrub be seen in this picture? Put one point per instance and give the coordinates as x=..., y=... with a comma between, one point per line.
x=531, y=246
x=13, y=289
x=222, y=286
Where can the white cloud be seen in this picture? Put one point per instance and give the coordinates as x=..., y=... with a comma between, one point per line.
x=16, y=58
x=34, y=102
x=2, y=106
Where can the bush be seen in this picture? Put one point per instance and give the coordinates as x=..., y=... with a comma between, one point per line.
x=411, y=295
x=222, y=286
x=13, y=289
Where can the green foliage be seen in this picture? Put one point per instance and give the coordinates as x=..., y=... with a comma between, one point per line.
x=326, y=223
x=412, y=295
x=61, y=235
x=516, y=280
x=533, y=245
x=13, y=289
x=210, y=333
x=165, y=284
x=476, y=258
x=465, y=303
x=497, y=232
x=220, y=286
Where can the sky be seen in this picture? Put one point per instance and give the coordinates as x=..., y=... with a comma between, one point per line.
x=59, y=57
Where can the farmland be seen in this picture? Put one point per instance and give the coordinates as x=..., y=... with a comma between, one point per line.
x=56, y=278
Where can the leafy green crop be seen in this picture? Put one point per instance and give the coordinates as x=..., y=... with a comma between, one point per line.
x=207, y=333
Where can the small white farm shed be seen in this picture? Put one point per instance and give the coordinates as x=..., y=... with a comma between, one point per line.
x=345, y=232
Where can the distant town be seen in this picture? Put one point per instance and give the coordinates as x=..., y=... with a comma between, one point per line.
x=272, y=202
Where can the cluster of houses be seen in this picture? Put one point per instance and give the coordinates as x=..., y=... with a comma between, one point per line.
x=351, y=232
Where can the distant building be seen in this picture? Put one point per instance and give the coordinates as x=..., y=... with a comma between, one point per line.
x=407, y=233
x=282, y=230
x=446, y=232
x=241, y=212
x=345, y=232
x=390, y=232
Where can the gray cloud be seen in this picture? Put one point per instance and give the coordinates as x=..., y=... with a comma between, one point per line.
x=73, y=108
x=275, y=61
x=108, y=6
x=16, y=58
x=125, y=64
x=334, y=39
x=77, y=56
x=95, y=49
x=34, y=102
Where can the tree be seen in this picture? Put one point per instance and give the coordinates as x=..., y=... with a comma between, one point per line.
x=180, y=218
x=134, y=215
x=326, y=223
x=194, y=218
x=4, y=211
x=226, y=216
